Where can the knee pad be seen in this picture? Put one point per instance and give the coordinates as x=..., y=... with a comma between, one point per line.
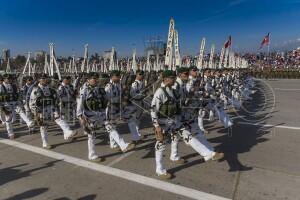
x=174, y=137
x=186, y=135
x=160, y=146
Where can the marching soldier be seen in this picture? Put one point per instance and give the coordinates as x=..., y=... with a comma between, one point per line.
x=25, y=95
x=166, y=115
x=66, y=95
x=197, y=96
x=91, y=111
x=44, y=104
x=13, y=104
x=119, y=107
x=5, y=114
x=137, y=94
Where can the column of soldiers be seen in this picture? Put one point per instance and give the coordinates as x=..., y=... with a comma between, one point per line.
x=178, y=102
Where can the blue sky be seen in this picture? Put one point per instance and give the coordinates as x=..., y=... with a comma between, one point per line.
x=30, y=25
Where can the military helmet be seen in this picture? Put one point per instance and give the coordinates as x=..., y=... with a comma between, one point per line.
x=181, y=70
x=43, y=76
x=168, y=74
x=7, y=76
x=92, y=75
x=115, y=73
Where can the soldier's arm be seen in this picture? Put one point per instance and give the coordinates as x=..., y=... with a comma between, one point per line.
x=32, y=100
x=60, y=92
x=134, y=92
x=155, y=105
x=79, y=109
x=108, y=91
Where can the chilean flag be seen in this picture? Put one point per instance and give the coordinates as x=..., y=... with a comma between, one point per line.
x=265, y=41
x=228, y=43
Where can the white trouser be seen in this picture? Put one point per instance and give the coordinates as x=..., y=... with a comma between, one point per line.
x=29, y=122
x=201, y=115
x=65, y=128
x=223, y=117
x=134, y=129
x=7, y=120
x=114, y=137
x=198, y=143
x=91, y=147
x=160, y=147
x=174, y=147
x=44, y=135
x=159, y=150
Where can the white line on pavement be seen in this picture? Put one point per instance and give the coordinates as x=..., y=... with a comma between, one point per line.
x=270, y=125
x=151, y=182
x=287, y=89
x=120, y=158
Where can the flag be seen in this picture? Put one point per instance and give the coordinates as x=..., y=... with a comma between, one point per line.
x=265, y=41
x=228, y=43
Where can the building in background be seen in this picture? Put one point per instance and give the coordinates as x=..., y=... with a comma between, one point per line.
x=154, y=46
x=39, y=55
x=5, y=54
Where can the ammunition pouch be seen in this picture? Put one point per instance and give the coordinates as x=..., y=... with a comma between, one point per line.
x=168, y=109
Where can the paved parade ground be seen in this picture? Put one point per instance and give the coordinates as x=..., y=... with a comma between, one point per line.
x=262, y=159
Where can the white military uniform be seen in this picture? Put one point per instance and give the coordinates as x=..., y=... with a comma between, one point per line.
x=96, y=117
x=196, y=100
x=13, y=106
x=173, y=126
x=137, y=97
x=116, y=110
x=6, y=115
x=67, y=101
x=43, y=102
x=25, y=91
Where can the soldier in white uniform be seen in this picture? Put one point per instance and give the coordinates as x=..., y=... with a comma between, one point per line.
x=13, y=105
x=166, y=115
x=67, y=99
x=119, y=107
x=5, y=114
x=196, y=93
x=91, y=111
x=44, y=104
x=25, y=95
x=137, y=94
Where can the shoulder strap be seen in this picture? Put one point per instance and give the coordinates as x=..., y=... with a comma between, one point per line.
x=4, y=88
x=164, y=89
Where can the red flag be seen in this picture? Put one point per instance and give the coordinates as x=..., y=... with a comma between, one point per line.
x=265, y=41
x=228, y=43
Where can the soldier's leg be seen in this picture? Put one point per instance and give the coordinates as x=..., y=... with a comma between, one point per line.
x=24, y=117
x=211, y=115
x=174, y=148
x=160, y=147
x=223, y=117
x=134, y=129
x=115, y=137
x=68, y=133
x=201, y=115
x=200, y=136
x=198, y=144
x=92, y=155
x=113, y=144
x=44, y=136
x=7, y=120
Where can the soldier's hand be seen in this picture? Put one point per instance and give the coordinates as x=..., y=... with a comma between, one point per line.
x=159, y=134
x=82, y=121
x=56, y=115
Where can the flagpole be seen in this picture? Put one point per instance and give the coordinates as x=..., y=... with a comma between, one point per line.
x=269, y=48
